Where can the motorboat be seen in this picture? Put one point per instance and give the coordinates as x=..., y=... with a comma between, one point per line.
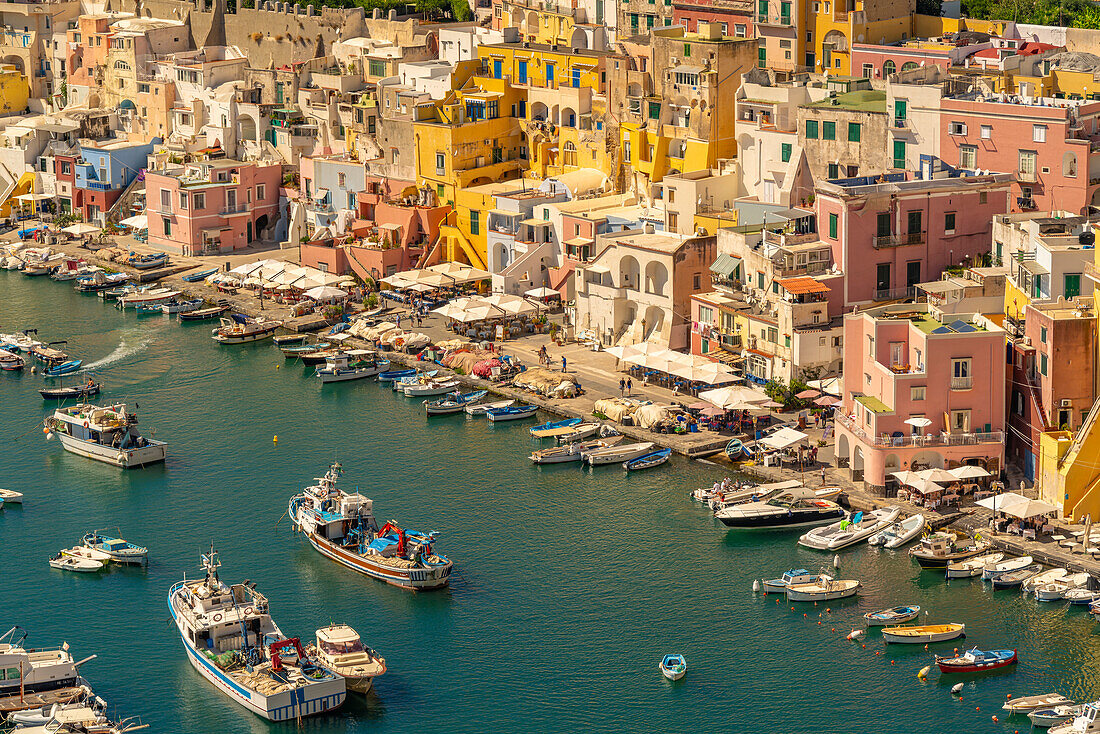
x=791, y=508
x=108, y=434
x=899, y=533
x=22, y=342
x=339, y=648
x=793, y=576
x=511, y=413
x=1013, y=579
x=574, y=451
x=430, y=388
x=202, y=314
x=113, y=294
x=972, y=567
x=101, y=281
x=243, y=330
x=232, y=641
x=341, y=526
x=86, y=389
x=201, y=275
x=993, y=570
x=481, y=409
x=1049, y=576
x=976, y=661
x=453, y=404
x=116, y=549
x=824, y=588
x=185, y=306
x=391, y=375
x=846, y=532
x=1056, y=590
x=1023, y=704
x=79, y=551
x=10, y=362
x=673, y=667
x=616, y=454
x=75, y=716
x=890, y=617
x=578, y=432
x=936, y=550
x=648, y=461
x=1055, y=715
x=923, y=634
x=39, y=669
x=74, y=562
x=294, y=351
x=64, y=368
x=152, y=297
x=399, y=385
x=10, y=496
x=1081, y=596
x=355, y=364
x=553, y=429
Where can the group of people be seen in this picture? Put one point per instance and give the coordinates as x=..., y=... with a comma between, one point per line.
x=544, y=359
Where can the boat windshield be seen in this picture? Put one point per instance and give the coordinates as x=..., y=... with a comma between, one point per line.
x=339, y=648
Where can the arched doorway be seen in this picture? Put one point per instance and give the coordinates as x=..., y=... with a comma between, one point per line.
x=246, y=129
x=843, y=450
x=261, y=225
x=857, y=464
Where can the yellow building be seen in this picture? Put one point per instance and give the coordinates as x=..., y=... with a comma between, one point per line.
x=14, y=90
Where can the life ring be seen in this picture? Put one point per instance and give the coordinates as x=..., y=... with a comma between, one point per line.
x=217, y=617
x=247, y=611
x=85, y=424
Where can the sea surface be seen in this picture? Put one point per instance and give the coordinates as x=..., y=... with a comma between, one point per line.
x=570, y=584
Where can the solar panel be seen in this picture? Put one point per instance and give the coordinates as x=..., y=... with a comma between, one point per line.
x=943, y=330
x=961, y=326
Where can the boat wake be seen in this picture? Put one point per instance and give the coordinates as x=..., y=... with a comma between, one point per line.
x=122, y=351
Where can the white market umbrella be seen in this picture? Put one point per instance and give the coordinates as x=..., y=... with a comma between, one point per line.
x=716, y=374
x=81, y=228
x=1029, y=508
x=783, y=438
x=511, y=304
x=418, y=288
x=724, y=396
x=397, y=280
x=924, y=486
x=1000, y=501
x=325, y=293
x=905, y=476
x=139, y=221
x=966, y=471
x=543, y=292
x=918, y=421
x=830, y=385
x=937, y=475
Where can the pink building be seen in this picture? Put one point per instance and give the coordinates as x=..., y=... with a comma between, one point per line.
x=906, y=361
x=210, y=207
x=887, y=233
x=1051, y=146
x=878, y=61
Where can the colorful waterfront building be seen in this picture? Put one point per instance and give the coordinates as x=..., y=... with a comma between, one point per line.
x=213, y=206
x=1045, y=255
x=908, y=361
x=105, y=169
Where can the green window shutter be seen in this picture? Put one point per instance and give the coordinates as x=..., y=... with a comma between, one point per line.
x=828, y=130
x=899, y=154
x=834, y=221
x=854, y=129
x=687, y=50
x=811, y=129
x=786, y=151
x=654, y=110
x=761, y=57
x=834, y=170
x=475, y=222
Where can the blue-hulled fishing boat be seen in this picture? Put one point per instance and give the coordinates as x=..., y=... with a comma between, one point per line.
x=392, y=375
x=648, y=461
x=147, y=262
x=150, y=308
x=193, y=304
x=545, y=430
x=201, y=275
x=118, y=549
x=454, y=403
x=63, y=369
x=887, y=617
x=674, y=667
x=512, y=413
x=976, y=661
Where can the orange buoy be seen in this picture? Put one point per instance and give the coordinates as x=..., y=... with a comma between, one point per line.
x=995, y=719
x=833, y=629
x=1009, y=696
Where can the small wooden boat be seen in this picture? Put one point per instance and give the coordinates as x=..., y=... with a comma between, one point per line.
x=146, y=310
x=46, y=353
x=193, y=304
x=1032, y=703
x=735, y=449
x=202, y=314
x=1056, y=590
x=245, y=330
x=296, y=352
x=971, y=567
x=10, y=362
x=148, y=262
x=889, y=617
x=79, y=551
x=201, y=275
x=900, y=533
x=355, y=364
x=824, y=588
x=392, y=375
x=1013, y=579
x=454, y=404
x=554, y=428
x=115, y=548
x=11, y=496
x=482, y=408
x=430, y=388
x=63, y=562
x=976, y=661
x=793, y=576
x=417, y=379
x=648, y=461
x=1046, y=577
x=1055, y=715
x=63, y=369
x=1081, y=596
x=674, y=667
x=289, y=340
x=617, y=454
x=923, y=634
x=511, y=413
x=572, y=452
x=150, y=297
x=85, y=390
x=993, y=570
x=938, y=549
x=578, y=432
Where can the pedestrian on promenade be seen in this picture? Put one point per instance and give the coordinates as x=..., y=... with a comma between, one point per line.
x=823, y=476
x=563, y=363
x=622, y=387
x=398, y=321
x=629, y=386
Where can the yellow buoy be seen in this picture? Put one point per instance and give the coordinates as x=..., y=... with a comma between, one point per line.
x=275, y=439
x=923, y=674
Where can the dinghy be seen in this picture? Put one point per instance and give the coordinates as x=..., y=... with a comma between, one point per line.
x=1031, y=703
x=1049, y=576
x=648, y=461
x=972, y=567
x=889, y=617
x=994, y=570
x=617, y=454
x=10, y=495
x=511, y=413
x=923, y=634
x=554, y=428
x=1053, y=716
x=824, y=588
x=899, y=533
x=202, y=314
x=63, y=369
x=481, y=409
x=115, y=548
x=201, y=275
x=429, y=388
x=1013, y=579
x=289, y=340
x=674, y=667
x=63, y=562
x=976, y=661
x=844, y=533
x=193, y=304
x=392, y=375
x=10, y=362
x=1081, y=596
x=579, y=432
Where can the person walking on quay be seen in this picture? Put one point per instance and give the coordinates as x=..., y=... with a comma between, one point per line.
x=622, y=387
x=398, y=321
x=629, y=386
x=563, y=363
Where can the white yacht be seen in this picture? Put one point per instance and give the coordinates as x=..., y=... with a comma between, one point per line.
x=1087, y=723
x=242, y=330
x=36, y=670
x=339, y=648
x=792, y=508
x=107, y=434
x=233, y=642
x=355, y=364
x=846, y=532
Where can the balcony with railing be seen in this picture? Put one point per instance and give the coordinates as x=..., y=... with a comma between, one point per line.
x=894, y=294
x=962, y=383
x=1027, y=176
x=898, y=240
x=919, y=441
x=98, y=186
x=228, y=211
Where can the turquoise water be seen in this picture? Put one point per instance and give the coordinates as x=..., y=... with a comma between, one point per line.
x=570, y=584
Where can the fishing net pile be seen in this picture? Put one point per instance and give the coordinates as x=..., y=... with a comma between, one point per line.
x=546, y=382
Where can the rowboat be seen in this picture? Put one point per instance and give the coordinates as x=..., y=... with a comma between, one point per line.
x=392, y=375
x=674, y=667
x=193, y=304
x=923, y=634
x=116, y=549
x=65, y=393
x=554, y=428
x=793, y=576
x=976, y=661
x=573, y=451
x=454, y=404
x=1056, y=590
x=63, y=562
x=971, y=567
x=616, y=454
x=11, y=496
x=1081, y=596
x=824, y=588
x=10, y=361
x=295, y=352
x=899, y=533
x=244, y=330
x=202, y=314
x=63, y=369
x=579, y=432
x=429, y=388
x=289, y=340
x=888, y=617
x=79, y=551
x=1013, y=579
x=993, y=570
x=482, y=408
x=1055, y=715
x=648, y=461
x=511, y=413
x=1040, y=579
x=1031, y=703
x=148, y=262
x=844, y=533
x=201, y=275
x=46, y=353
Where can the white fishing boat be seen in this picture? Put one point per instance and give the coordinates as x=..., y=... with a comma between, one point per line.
x=793, y=576
x=153, y=297
x=899, y=532
x=341, y=526
x=1056, y=590
x=107, y=434
x=616, y=454
x=243, y=330
x=971, y=567
x=1055, y=715
x=431, y=387
x=481, y=408
x=1081, y=596
x=578, y=433
x=116, y=548
x=10, y=361
x=993, y=570
x=79, y=551
x=824, y=588
x=37, y=669
x=923, y=634
x=355, y=364
x=339, y=649
x=78, y=713
x=511, y=413
x=1050, y=576
x=892, y=616
x=10, y=496
x=232, y=641
x=673, y=667
x=1023, y=704
x=846, y=532
x=1087, y=722
x=63, y=562
x=573, y=451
